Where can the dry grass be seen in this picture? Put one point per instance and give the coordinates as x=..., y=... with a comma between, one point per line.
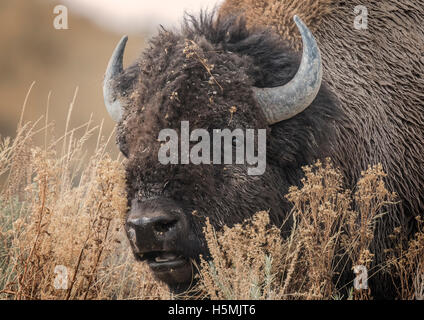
x=409, y=260
x=252, y=261
x=61, y=216
x=245, y=260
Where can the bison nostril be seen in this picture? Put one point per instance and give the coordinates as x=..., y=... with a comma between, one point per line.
x=164, y=226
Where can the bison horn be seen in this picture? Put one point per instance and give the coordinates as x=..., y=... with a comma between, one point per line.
x=115, y=67
x=282, y=103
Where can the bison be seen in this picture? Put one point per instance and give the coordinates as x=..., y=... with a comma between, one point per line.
x=354, y=96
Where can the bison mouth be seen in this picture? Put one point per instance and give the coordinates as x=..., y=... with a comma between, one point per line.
x=162, y=260
x=170, y=267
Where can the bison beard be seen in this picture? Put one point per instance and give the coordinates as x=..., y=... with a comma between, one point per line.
x=198, y=75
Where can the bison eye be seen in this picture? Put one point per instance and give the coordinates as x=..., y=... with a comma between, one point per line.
x=124, y=151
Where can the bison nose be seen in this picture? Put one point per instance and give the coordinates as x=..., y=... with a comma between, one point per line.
x=160, y=224
x=155, y=229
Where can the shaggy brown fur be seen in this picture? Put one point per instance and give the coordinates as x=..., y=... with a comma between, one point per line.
x=378, y=77
x=279, y=15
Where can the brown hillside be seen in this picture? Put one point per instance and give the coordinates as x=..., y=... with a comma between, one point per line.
x=58, y=60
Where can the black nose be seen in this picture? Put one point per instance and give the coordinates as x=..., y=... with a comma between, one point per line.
x=160, y=223
x=155, y=226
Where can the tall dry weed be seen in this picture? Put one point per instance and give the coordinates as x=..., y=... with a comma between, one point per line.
x=61, y=220
x=252, y=261
x=245, y=260
x=407, y=262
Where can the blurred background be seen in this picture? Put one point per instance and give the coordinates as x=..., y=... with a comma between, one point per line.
x=61, y=60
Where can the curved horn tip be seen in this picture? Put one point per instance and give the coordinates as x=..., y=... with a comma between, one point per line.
x=297, y=19
x=114, y=68
x=116, y=61
x=282, y=103
x=303, y=29
x=124, y=40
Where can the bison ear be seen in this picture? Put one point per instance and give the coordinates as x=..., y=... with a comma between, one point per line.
x=113, y=100
x=282, y=103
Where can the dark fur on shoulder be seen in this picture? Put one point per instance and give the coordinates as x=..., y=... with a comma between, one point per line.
x=376, y=75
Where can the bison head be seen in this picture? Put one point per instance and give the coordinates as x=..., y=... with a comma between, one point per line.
x=215, y=74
